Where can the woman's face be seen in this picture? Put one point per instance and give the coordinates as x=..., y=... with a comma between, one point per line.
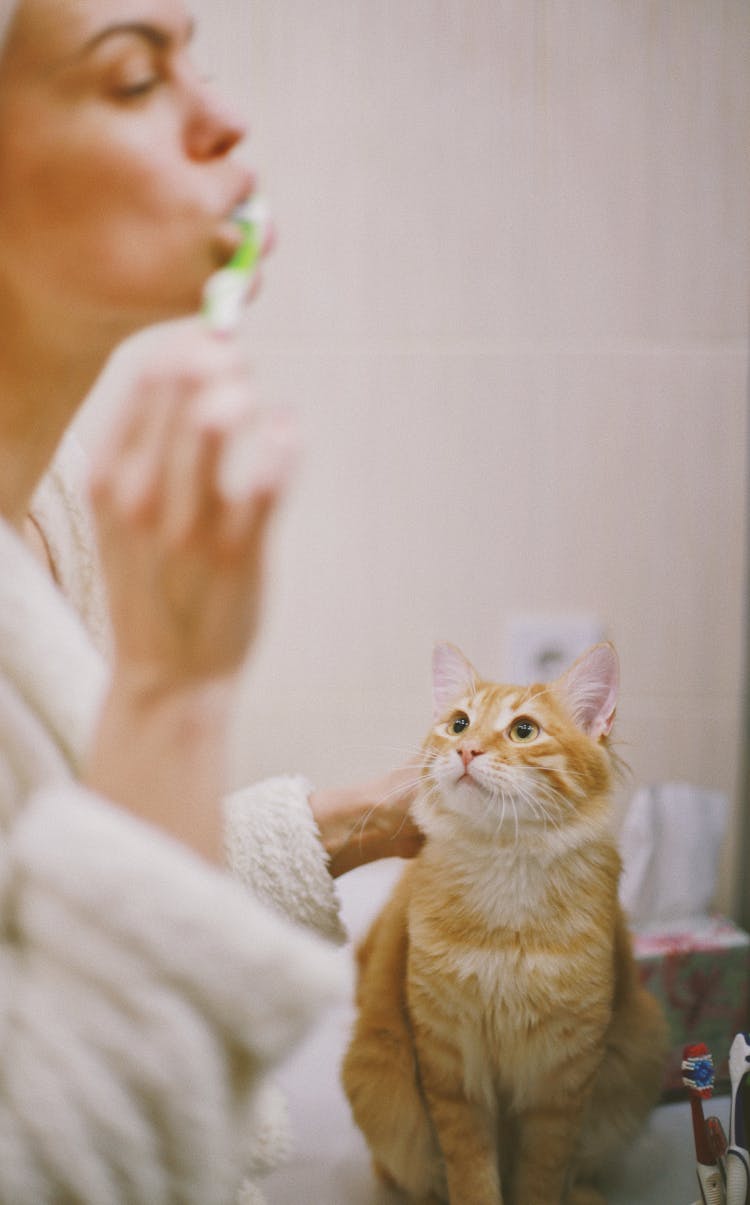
x=116, y=181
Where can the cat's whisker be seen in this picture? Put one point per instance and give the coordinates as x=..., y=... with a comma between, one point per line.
x=491, y=805
x=535, y=804
x=517, y=824
x=402, y=788
x=358, y=830
x=558, y=796
x=502, y=814
x=497, y=803
x=539, y=797
x=544, y=810
x=514, y=811
x=406, y=752
x=569, y=775
x=431, y=790
x=552, y=769
x=538, y=812
x=547, y=791
x=545, y=690
x=548, y=818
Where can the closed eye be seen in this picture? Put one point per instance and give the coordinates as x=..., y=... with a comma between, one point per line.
x=140, y=89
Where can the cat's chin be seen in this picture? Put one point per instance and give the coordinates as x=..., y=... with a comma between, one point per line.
x=499, y=813
x=466, y=798
x=465, y=785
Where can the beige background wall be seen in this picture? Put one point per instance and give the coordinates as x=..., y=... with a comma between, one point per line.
x=510, y=304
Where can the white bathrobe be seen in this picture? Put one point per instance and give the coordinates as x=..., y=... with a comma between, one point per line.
x=143, y=993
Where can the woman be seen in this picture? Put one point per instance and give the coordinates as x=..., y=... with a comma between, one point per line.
x=144, y=992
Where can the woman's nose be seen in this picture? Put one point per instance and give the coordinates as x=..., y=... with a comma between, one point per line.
x=214, y=129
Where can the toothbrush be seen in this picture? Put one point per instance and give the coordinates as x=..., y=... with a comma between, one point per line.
x=698, y=1078
x=738, y=1159
x=226, y=291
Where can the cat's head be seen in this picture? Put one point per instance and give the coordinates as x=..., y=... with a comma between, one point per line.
x=505, y=759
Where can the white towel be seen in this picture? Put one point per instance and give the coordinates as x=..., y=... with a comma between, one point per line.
x=670, y=843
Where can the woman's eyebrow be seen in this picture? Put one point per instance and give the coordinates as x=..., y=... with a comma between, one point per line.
x=156, y=35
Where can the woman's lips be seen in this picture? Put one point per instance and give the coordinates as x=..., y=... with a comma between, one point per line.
x=229, y=237
x=227, y=240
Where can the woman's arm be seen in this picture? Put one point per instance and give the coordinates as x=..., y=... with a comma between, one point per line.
x=182, y=550
x=161, y=756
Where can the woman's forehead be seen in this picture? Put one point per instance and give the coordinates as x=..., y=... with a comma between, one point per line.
x=59, y=27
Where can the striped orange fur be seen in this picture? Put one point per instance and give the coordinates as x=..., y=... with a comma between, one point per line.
x=504, y=1050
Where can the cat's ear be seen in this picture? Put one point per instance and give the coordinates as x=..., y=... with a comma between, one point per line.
x=452, y=678
x=589, y=690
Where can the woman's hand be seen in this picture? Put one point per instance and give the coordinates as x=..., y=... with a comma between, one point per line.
x=183, y=492
x=364, y=823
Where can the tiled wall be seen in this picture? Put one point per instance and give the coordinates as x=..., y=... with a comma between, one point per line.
x=510, y=304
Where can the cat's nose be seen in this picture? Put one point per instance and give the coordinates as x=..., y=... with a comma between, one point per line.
x=468, y=753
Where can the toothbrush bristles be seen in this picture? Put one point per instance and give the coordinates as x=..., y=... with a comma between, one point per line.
x=698, y=1070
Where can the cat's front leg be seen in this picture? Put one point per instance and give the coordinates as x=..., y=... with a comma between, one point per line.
x=548, y=1135
x=465, y=1130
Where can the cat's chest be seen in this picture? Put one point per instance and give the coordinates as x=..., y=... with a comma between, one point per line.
x=510, y=989
x=513, y=942
x=510, y=974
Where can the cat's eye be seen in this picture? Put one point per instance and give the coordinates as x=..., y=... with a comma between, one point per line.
x=522, y=731
x=459, y=723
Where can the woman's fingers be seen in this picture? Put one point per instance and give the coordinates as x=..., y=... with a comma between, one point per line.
x=258, y=462
x=183, y=492
x=228, y=465
x=183, y=364
x=192, y=465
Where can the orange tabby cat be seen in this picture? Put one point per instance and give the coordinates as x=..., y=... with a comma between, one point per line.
x=504, y=1049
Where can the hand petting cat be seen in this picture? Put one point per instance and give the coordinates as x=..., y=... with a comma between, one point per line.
x=361, y=824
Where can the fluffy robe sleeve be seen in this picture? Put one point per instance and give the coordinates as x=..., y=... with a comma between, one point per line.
x=142, y=996
x=272, y=844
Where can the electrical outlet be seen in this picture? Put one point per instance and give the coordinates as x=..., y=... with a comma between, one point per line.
x=540, y=648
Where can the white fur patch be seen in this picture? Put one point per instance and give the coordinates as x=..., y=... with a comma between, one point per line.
x=505, y=716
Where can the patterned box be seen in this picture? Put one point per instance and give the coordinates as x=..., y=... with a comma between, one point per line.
x=700, y=972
